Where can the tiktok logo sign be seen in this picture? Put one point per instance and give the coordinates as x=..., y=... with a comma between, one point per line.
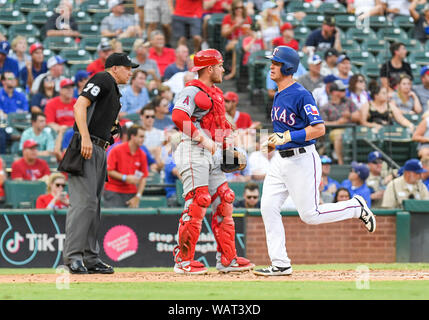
x=12, y=245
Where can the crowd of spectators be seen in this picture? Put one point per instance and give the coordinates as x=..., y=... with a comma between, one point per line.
x=166, y=35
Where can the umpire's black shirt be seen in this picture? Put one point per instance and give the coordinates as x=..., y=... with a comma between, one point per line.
x=104, y=94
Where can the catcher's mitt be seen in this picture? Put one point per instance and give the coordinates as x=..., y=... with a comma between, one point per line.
x=233, y=160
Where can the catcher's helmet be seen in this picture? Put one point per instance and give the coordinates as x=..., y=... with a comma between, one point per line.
x=205, y=58
x=288, y=56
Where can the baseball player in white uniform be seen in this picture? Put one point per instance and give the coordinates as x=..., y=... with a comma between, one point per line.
x=296, y=167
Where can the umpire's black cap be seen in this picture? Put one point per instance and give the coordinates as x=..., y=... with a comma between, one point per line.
x=119, y=59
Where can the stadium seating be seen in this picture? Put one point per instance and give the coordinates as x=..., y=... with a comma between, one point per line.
x=313, y=21
x=329, y=8
x=360, y=58
x=363, y=134
x=60, y=43
x=396, y=141
x=90, y=43
x=257, y=71
x=127, y=44
x=26, y=30
x=371, y=70
x=94, y=6
x=82, y=17
x=23, y=194
x=30, y=6
x=360, y=35
x=89, y=30
x=215, y=39
x=375, y=46
x=153, y=202
x=39, y=18
x=296, y=6
x=379, y=22
x=345, y=21
x=392, y=34
x=78, y=56
x=12, y=17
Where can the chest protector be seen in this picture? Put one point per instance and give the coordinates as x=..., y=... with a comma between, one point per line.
x=214, y=122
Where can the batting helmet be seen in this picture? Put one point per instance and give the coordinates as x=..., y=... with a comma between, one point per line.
x=288, y=56
x=205, y=58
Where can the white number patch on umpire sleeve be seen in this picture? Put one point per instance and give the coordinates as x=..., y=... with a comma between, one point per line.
x=95, y=91
x=88, y=86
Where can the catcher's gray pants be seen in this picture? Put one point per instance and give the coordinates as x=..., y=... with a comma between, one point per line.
x=197, y=168
x=83, y=216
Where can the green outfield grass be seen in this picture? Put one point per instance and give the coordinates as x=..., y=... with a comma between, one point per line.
x=242, y=290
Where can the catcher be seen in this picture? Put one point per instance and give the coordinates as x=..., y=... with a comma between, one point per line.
x=201, y=157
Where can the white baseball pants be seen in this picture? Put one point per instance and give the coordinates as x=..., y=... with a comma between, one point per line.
x=298, y=176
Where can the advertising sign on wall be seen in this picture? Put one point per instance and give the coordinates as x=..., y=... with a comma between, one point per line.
x=126, y=240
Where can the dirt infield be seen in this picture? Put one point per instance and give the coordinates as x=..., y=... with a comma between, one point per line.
x=349, y=275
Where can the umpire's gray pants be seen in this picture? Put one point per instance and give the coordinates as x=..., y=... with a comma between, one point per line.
x=83, y=216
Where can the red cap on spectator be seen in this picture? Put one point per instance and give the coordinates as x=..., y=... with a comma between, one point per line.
x=29, y=144
x=35, y=46
x=231, y=96
x=286, y=26
x=66, y=82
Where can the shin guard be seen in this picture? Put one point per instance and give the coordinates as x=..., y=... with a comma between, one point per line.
x=190, y=223
x=223, y=224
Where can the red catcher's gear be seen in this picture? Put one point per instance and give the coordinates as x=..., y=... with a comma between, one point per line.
x=214, y=121
x=205, y=58
x=223, y=224
x=191, y=221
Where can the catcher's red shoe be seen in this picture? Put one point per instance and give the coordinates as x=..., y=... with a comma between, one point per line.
x=239, y=264
x=190, y=267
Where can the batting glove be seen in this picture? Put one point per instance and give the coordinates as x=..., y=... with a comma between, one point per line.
x=279, y=138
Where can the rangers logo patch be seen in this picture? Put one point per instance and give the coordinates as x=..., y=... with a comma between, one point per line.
x=311, y=110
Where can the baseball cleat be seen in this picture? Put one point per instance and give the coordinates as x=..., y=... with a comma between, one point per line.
x=192, y=267
x=237, y=265
x=273, y=271
x=366, y=215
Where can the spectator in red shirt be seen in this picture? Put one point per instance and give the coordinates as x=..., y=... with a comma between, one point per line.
x=188, y=14
x=127, y=172
x=104, y=50
x=242, y=120
x=59, y=110
x=3, y=177
x=287, y=38
x=56, y=197
x=158, y=52
x=235, y=25
x=252, y=43
x=30, y=167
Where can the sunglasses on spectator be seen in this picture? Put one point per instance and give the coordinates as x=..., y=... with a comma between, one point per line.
x=9, y=78
x=239, y=8
x=60, y=185
x=147, y=117
x=361, y=80
x=251, y=197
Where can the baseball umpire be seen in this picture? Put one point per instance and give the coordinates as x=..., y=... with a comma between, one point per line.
x=296, y=168
x=202, y=154
x=95, y=112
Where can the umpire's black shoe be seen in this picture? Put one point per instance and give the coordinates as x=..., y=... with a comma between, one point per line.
x=77, y=267
x=101, y=267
